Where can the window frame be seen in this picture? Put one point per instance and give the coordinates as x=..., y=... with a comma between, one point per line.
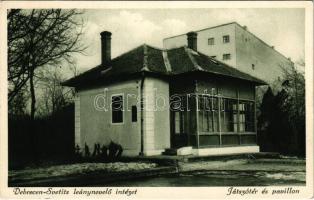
x=226, y=54
x=208, y=114
x=236, y=107
x=248, y=112
x=212, y=39
x=111, y=114
x=225, y=37
x=227, y=108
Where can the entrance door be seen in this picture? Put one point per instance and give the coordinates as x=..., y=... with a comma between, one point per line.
x=179, y=137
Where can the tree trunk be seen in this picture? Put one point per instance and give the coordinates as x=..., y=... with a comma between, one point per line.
x=33, y=129
x=32, y=91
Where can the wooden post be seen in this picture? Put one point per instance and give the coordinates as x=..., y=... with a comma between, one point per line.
x=212, y=110
x=187, y=119
x=238, y=117
x=255, y=120
x=197, y=122
x=219, y=122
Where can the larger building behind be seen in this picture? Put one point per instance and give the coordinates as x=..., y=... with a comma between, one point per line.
x=233, y=44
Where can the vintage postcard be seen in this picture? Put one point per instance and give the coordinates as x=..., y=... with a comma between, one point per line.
x=156, y=100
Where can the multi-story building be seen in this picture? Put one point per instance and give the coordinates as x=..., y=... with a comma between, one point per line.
x=234, y=45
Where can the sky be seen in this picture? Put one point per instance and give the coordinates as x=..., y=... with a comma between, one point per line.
x=283, y=28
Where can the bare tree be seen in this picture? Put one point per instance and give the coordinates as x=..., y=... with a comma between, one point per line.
x=18, y=106
x=53, y=96
x=38, y=38
x=293, y=105
x=294, y=85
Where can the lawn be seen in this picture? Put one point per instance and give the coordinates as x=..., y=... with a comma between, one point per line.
x=78, y=169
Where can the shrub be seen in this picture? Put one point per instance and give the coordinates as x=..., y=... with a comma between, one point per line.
x=115, y=150
x=86, y=149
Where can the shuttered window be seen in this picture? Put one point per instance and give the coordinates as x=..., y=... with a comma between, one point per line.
x=134, y=114
x=117, y=109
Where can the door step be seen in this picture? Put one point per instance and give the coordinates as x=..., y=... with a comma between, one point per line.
x=170, y=152
x=180, y=151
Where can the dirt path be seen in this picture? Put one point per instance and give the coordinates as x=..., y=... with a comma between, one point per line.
x=244, y=165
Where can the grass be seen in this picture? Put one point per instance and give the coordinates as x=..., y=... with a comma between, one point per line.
x=77, y=169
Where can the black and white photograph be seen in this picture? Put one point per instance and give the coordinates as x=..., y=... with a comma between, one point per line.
x=116, y=100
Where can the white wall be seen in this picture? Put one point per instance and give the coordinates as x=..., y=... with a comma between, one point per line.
x=95, y=126
x=267, y=61
x=156, y=120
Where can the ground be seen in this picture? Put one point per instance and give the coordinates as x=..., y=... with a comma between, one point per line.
x=228, y=172
x=235, y=172
x=77, y=169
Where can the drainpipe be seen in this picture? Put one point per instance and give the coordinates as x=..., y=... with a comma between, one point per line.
x=142, y=113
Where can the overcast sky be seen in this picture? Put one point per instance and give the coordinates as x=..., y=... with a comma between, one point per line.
x=282, y=28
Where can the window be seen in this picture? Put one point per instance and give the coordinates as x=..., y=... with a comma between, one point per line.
x=208, y=114
x=225, y=39
x=241, y=117
x=211, y=41
x=134, y=114
x=117, y=109
x=228, y=115
x=253, y=66
x=226, y=56
x=234, y=116
x=249, y=119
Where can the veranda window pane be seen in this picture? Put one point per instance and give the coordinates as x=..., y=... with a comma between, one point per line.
x=249, y=117
x=208, y=114
x=228, y=115
x=246, y=116
x=202, y=114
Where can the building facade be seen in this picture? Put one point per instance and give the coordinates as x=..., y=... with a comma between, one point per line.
x=149, y=100
x=234, y=45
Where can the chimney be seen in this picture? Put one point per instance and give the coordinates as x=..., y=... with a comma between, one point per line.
x=245, y=27
x=105, y=47
x=192, y=40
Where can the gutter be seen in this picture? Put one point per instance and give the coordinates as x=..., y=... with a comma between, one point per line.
x=144, y=68
x=142, y=112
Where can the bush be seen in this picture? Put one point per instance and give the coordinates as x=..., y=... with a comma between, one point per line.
x=46, y=139
x=109, y=153
x=278, y=130
x=115, y=150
